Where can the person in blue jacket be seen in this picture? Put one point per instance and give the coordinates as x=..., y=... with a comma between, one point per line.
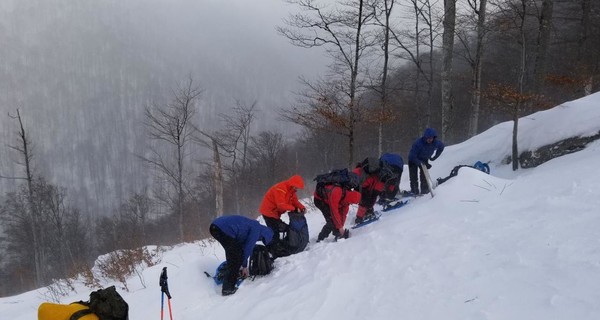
x=238, y=235
x=422, y=151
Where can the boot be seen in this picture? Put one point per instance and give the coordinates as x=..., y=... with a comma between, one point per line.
x=370, y=214
x=323, y=234
x=345, y=235
x=424, y=188
x=228, y=292
x=359, y=220
x=414, y=188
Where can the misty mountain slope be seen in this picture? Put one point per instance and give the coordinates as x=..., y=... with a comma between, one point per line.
x=83, y=72
x=522, y=246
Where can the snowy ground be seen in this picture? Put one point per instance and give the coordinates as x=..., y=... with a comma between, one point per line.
x=522, y=245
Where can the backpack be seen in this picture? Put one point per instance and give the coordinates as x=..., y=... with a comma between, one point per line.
x=484, y=167
x=106, y=303
x=260, y=261
x=391, y=166
x=341, y=177
x=370, y=165
x=297, y=235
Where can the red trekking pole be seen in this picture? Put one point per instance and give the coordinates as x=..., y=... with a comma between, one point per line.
x=164, y=288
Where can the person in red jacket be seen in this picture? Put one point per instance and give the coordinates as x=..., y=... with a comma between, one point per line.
x=280, y=199
x=370, y=188
x=334, y=202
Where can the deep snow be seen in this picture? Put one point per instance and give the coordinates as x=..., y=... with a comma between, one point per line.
x=510, y=245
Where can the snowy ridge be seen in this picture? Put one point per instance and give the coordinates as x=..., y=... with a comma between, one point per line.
x=510, y=245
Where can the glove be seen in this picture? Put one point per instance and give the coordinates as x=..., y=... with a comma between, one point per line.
x=244, y=273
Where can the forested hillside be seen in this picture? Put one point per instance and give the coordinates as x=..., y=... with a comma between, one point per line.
x=142, y=120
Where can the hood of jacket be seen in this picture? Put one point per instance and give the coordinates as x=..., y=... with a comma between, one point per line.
x=429, y=133
x=296, y=181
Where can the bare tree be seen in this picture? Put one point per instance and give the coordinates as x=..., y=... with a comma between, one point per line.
x=474, y=56
x=585, y=58
x=171, y=125
x=541, y=47
x=267, y=151
x=236, y=139
x=412, y=44
x=137, y=210
x=446, y=74
x=340, y=31
x=24, y=149
x=382, y=11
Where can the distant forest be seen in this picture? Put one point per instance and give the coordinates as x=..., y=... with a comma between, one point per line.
x=150, y=157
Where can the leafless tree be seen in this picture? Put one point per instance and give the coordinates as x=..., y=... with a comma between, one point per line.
x=382, y=12
x=236, y=139
x=137, y=209
x=24, y=149
x=267, y=151
x=340, y=29
x=171, y=125
x=542, y=44
x=474, y=55
x=446, y=74
x=411, y=44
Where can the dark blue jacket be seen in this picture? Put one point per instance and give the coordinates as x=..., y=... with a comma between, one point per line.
x=245, y=231
x=422, y=151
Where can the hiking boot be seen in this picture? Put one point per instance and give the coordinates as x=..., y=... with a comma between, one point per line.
x=359, y=220
x=228, y=292
x=369, y=215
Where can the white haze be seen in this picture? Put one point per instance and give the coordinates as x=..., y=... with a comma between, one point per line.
x=82, y=72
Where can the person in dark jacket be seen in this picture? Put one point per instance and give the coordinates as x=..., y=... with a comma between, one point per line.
x=334, y=202
x=371, y=186
x=238, y=235
x=422, y=151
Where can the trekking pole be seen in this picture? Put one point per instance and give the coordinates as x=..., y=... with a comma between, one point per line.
x=164, y=288
x=428, y=178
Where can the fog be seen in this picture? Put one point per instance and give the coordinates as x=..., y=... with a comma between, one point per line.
x=82, y=72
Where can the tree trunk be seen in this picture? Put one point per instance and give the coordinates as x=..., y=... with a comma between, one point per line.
x=386, y=57
x=353, y=78
x=542, y=46
x=38, y=248
x=446, y=74
x=515, y=147
x=583, y=54
x=476, y=81
x=218, y=177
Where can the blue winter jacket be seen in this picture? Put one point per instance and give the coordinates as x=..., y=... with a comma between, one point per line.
x=245, y=231
x=422, y=151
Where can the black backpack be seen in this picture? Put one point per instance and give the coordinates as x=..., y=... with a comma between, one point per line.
x=341, y=177
x=106, y=303
x=370, y=165
x=261, y=262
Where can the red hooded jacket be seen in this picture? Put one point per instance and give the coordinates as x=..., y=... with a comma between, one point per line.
x=339, y=202
x=282, y=197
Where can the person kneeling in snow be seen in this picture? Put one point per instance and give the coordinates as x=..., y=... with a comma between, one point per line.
x=334, y=202
x=238, y=235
